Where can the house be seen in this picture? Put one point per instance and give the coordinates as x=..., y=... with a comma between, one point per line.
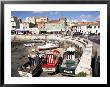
x=41, y=19
x=40, y=22
x=86, y=27
x=15, y=22
x=53, y=26
x=24, y=25
x=23, y=29
x=40, y=25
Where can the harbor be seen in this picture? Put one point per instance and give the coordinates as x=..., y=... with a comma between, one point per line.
x=62, y=46
x=20, y=59
x=22, y=47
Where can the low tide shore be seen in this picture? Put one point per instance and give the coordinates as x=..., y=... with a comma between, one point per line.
x=19, y=54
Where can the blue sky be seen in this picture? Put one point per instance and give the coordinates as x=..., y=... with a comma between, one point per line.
x=72, y=15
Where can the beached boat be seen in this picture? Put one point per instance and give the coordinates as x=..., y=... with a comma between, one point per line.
x=51, y=61
x=69, y=62
x=48, y=46
x=28, y=45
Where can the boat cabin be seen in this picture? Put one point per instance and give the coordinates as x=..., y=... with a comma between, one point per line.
x=70, y=53
x=50, y=61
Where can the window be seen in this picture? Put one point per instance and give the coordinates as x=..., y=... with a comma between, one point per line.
x=13, y=26
x=94, y=26
x=96, y=31
x=89, y=26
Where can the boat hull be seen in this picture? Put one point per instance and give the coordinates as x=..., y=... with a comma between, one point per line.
x=48, y=48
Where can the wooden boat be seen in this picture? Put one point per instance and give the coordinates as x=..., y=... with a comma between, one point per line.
x=69, y=62
x=48, y=46
x=51, y=61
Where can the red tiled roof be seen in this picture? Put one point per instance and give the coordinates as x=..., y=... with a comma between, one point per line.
x=86, y=23
x=53, y=21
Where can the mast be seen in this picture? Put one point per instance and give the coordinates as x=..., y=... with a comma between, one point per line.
x=45, y=38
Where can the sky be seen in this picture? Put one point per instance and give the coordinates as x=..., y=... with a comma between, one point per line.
x=52, y=15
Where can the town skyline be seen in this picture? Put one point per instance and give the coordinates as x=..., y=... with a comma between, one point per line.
x=52, y=15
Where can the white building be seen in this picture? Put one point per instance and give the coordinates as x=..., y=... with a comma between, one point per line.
x=24, y=25
x=34, y=30
x=15, y=22
x=85, y=27
x=31, y=19
x=41, y=19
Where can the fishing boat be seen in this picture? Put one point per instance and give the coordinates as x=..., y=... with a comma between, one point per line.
x=51, y=61
x=69, y=63
x=48, y=46
x=28, y=45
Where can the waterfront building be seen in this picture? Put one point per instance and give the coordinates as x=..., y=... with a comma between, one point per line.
x=86, y=27
x=34, y=30
x=40, y=25
x=15, y=22
x=23, y=29
x=41, y=21
x=55, y=25
x=24, y=25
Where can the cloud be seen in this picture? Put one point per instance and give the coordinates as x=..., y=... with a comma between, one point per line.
x=38, y=11
x=86, y=16
x=83, y=20
x=54, y=13
x=98, y=18
x=51, y=12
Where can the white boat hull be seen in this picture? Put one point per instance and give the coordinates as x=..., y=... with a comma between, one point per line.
x=48, y=46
